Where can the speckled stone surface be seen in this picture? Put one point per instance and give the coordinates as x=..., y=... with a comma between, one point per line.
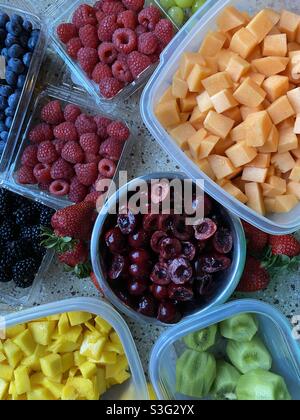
x=146, y=157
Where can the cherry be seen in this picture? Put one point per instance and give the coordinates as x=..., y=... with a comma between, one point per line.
x=188, y=250
x=160, y=191
x=213, y=263
x=223, y=241
x=180, y=292
x=205, y=286
x=150, y=222
x=119, y=267
x=205, y=229
x=170, y=248
x=138, y=239
x=180, y=271
x=115, y=241
x=166, y=222
x=159, y=292
x=168, y=313
x=127, y=222
x=124, y=297
x=147, y=306
x=201, y=245
x=202, y=202
x=160, y=274
x=180, y=230
x=137, y=287
x=157, y=239
x=139, y=270
x=139, y=256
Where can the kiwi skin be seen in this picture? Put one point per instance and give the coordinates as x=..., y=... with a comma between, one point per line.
x=226, y=382
x=240, y=328
x=202, y=340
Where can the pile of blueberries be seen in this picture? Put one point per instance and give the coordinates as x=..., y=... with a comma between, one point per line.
x=18, y=40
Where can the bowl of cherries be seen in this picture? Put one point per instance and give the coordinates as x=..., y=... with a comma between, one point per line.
x=156, y=266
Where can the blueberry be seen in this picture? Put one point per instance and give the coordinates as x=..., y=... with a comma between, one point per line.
x=13, y=100
x=36, y=33
x=2, y=126
x=11, y=77
x=27, y=25
x=2, y=116
x=3, y=103
x=9, y=112
x=23, y=40
x=14, y=28
x=27, y=59
x=4, y=53
x=32, y=43
x=16, y=65
x=21, y=81
x=8, y=122
x=2, y=34
x=15, y=51
x=2, y=146
x=11, y=40
x=6, y=90
x=4, y=136
x=4, y=18
x=17, y=19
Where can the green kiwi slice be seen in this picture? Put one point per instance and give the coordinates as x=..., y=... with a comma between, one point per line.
x=226, y=381
x=241, y=328
x=202, y=340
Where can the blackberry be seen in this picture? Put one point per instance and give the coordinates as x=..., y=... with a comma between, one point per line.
x=25, y=215
x=23, y=273
x=4, y=202
x=31, y=233
x=38, y=250
x=19, y=201
x=38, y=206
x=7, y=230
x=46, y=216
x=6, y=261
x=4, y=277
x=17, y=250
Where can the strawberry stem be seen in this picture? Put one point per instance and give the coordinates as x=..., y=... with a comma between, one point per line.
x=59, y=244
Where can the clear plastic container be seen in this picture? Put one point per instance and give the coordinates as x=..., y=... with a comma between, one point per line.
x=189, y=39
x=33, y=117
x=274, y=329
x=133, y=389
x=30, y=82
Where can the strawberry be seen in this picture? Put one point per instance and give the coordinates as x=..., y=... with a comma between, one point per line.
x=72, y=152
x=25, y=175
x=256, y=239
x=102, y=124
x=41, y=132
x=90, y=143
x=88, y=36
x=62, y=170
x=52, y=113
x=88, y=58
x=84, y=15
x=77, y=255
x=86, y=173
x=73, y=47
x=66, y=31
x=29, y=156
x=85, y=124
x=284, y=245
x=42, y=173
x=255, y=277
x=118, y=131
x=46, y=152
x=78, y=191
x=111, y=149
x=71, y=113
x=66, y=131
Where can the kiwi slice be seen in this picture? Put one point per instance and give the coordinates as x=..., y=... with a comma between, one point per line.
x=260, y=385
x=202, y=340
x=226, y=382
x=249, y=356
x=241, y=328
x=195, y=373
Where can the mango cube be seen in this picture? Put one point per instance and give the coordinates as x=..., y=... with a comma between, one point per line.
x=221, y=166
x=6, y=372
x=22, y=381
x=88, y=369
x=240, y=154
x=83, y=387
x=275, y=45
x=289, y=23
x=243, y=42
x=223, y=101
x=182, y=133
x=26, y=342
x=212, y=44
x=51, y=365
x=39, y=393
x=13, y=353
x=218, y=124
x=3, y=388
x=285, y=203
x=15, y=330
x=235, y=192
x=54, y=388
x=258, y=128
x=283, y=161
x=42, y=331
x=63, y=324
x=250, y=94
x=255, y=197
x=67, y=361
x=77, y=318
x=92, y=346
x=33, y=361
x=280, y=110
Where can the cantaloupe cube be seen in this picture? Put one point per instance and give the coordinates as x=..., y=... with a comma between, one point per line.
x=296, y=152
x=188, y=103
x=255, y=197
x=288, y=123
x=168, y=113
x=195, y=141
x=212, y=44
x=222, y=182
x=252, y=174
x=275, y=45
x=238, y=133
x=223, y=101
x=204, y=102
x=260, y=25
x=271, y=145
x=179, y=87
x=187, y=62
x=250, y=94
x=212, y=63
x=197, y=118
x=243, y=42
x=285, y=203
x=224, y=58
x=218, y=124
x=295, y=174
x=184, y=116
x=239, y=183
x=207, y=146
x=234, y=174
x=276, y=86
x=235, y=192
x=287, y=140
x=234, y=114
x=269, y=66
x=271, y=171
x=222, y=146
x=237, y=67
x=205, y=167
x=246, y=111
x=258, y=78
x=293, y=46
x=283, y=161
x=270, y=205
x=294, y=98
x=288, y=24
x=262, y=160
x=256, y=54
x=274, y=31
x=167, y=96
x=217, y=82
x=280, y=110
x=221, y=166
x=230, y=18
x=294, y=188
x=194, y=80
x=240, y=154
x=297, y=125
x=258, y=128
x=272, y=15
x=182, y=133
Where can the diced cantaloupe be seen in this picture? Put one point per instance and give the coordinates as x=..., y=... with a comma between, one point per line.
x=243, y=42
x=237, y=67
x=218, y=124
x=184, y=116
x=250, y=94
x=222, y=146
x=294, y=98
x=207, y=146
x=205, y=167
x=204, y=102
x=252, y=174
x=260, y=25
x=274, y=31
x=283, y=161
x=234, y=174
x=287, y=140
x=187, y=62
x=239, y=183
x=168, y=113
x=280, y=110
x=182, y=133
x=217, y=82
x=234, y=114
x=271, y=170
x=271, y=145
x=256, y=53
x=293, y=46
x=288, y=24
x=295, y=174
x=297, y=125
x=270, y=205
x=258, y=78
x=238, y=133
x=273, y=15
x=221, y=166
x=230, y=18
x=258, y=128
x=194, y=142
x=197, y=118
x=269, y=66
x=179, y=87
x=246, y=111
x=212, y=63
x=285, y=203
x=224, y=58
x=294, y=188
x=167, y=96
x=262, y=160
x=288, y=123
x=188, y=103
x=223, y=101
x=212, y=44
x=255, y=197
x=194, y=79
x=276, y=86
x=235, y=192
x=240, y=154
x=275, y=45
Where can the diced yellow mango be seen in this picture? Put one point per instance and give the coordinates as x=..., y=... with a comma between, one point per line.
x=255, y=197
x=55, y=388
x=37, y=379
x=114, y=347
x=84, y=387
x=88, y=369
x=69, y=393
x=122, y=376
x=54, y=317
x=13, y=353
x=283, y=161
x=275, y=45
x=22, y=381
x=221, y=166
x=92, y=346
x=108, y=358
x=168, y=113
x=51, y=365
x=63, y=346
x=26, y=342
x=33, y=361
x=241, y=153
x=78, y=359
x=212, y=44
x=270, y=66
x=39, y=393
x=100, y=381
x=218, y=124
x=258, y=128
x=12, y=332
x=288, y=24
x=251, y=174
x=77, y=318
x=67, y=361
x=249, y=94
x=285, y=203
x=280, y=110
x=6, y=372
x=42, y=331
x=182, y=133
x=112, y=370
x=223, y=101
x=63, y=324
x=217, y=82
x=243, y=42
x=235, y=192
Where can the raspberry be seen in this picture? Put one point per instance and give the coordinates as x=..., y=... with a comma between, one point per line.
x=87, y=58
x=109, y=87
x=111, y=149
x=122, y=57
x=107, y=53
x=44, y=186
x=29, y=156
x=107, y=168
x=113, y=7
x=147, y=43
x=47, y=152
x=164, y=31
x=88, y=36
x=52, y=113
x=62, y=170
x=90, y=143
x=72, y=152
x=84, y=15
x=154, y=58
x=91, y=158
x=100, y=15
x=149, y=17
x=118, y=131
x=93, y=197
x=127, y=19
x=120, y=71
x=66, y=131
x=85, y=124
x=86, y=173
x=102, y=124
x=137, y=63
x=66, y=31
x=59, y=187
x=135, y=5
x=78, y=191
x=125, y=40
x=100, y=72
x=71, y=113
x=107, y=27
x=42, y=173
x=73, y=47
x=41, y=132
x=59, y=145
x=140, y=30
x=25, y=175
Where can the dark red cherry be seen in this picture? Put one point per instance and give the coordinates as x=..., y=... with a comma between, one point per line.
x=159, y=292
x=205, y=229
x=139, y=270
x=127, y=222
x=188, y=250
x=223, y=241
x=167, y=313
x=137, y=287
x=150, y=222
x=205, y=286
x=213, y=263
x=202, y=204
x=180, y=230
x=119, y=267
x=160, y=274
x=201, y=245
x=157, y=239
x=180, y=292
x=160, y=192
x=138, y=239
x=180, y=271
x=139, y=256
x=170, y=248
x=166, y=222
x=147, y=306
x=115, y=241
x=124, y=297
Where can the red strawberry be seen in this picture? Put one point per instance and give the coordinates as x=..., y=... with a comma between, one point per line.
x=88, y=58
x=78, y=255
x=107, y=27
x=73, y=47
x=164, y=31
x=100, y=72
x=137, y=63
x=52, y=113
x=25, y=175
x=41, y=132
x=111, y=149
x=88, y=36
x=85, y=124
x=102, y=124
x=256, y=239
x=66, y=131
x=29, y=157
x=93, y=197
x=118, y=130
x=66, y=31
x=47, y=152
x=90, y=143
x=72, y=152
x=255, y=277
x=284, y=245
x=71, y=113
x=109, y=87
x=42, y=173
x=86, y=173
x=62, y=170
x=84, y=15
x=78, y=191
x=59, y=145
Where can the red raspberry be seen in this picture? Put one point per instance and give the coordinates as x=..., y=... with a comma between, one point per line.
x=47, y=152
x=149, y=17
x=147, y=43
x=85, y=124
x=120, y=71
x=122, y=57
x=90, y=143
x=118, y=131
x=73, y=47
x=59, y=145
x=86, y=173
x=107, y=168
x=62, y=170
x=107, y=27
x=102, y=124
x=87, y=58
x=52, y=113
x=164, y=31
x=127, y=19
x=66, y=31
x=137, y=63
x=71, y=113
x=78, y=191
x=135, y=5
x=109, y=87
x=92, y=158
x=59, y=188
x=113, y=7
x=154, y=58
x=111, y=149
x=29, y=156
x=41, y=132
x=107, y=53
x=25, y=175
x=42, y=173
x=98, y=5
x=72, y=152
x=100, y=72
x=100, y=15
x=84, y=15
x=45, y=186
x=66, y=131
x=88, y=36
x=93, y=197
x=140, y=30
x=125, y=40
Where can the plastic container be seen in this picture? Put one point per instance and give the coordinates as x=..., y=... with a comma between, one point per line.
x=189, y=39
x=233, y=274
x=274, y=329
x=33, y=117
x=136, y=387
x=30, y=82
